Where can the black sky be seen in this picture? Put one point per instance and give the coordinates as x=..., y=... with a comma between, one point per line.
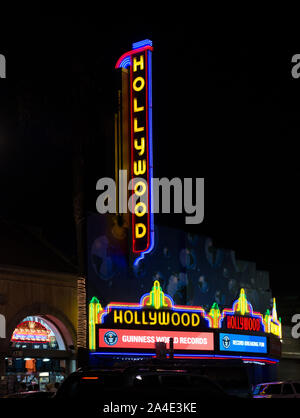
x=224, y=107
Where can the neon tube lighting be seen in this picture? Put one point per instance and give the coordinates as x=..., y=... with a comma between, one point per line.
x=125, y=63
x=132, y=52
x=200, y=356
x=150, y=162
x=140, y=44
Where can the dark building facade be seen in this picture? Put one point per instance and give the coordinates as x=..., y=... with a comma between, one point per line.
x=40, y=297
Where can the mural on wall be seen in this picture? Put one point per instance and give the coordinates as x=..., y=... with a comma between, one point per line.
x=188, y=267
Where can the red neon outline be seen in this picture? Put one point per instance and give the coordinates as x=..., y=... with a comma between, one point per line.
x=148, y=150
x=133, y=216
x=233, y=311
x=132, y=52
x=243, y=317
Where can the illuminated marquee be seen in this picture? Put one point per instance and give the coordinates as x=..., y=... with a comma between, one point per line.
x=273, y=324
x=152, y=318
x=31, y=331
x=156, y=310
x=156, y=318
x=138, y=60
x=243, y=318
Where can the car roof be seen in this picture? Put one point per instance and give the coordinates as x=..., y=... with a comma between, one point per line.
x=279, y=382
x=137, y=370
x=91, y=372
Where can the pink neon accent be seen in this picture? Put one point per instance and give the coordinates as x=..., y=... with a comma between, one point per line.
x=133, y=51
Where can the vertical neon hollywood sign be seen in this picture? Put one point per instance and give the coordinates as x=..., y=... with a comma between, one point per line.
x=139, y=61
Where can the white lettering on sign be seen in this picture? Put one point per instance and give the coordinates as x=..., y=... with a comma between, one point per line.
x=248, y=343
x=182, y=340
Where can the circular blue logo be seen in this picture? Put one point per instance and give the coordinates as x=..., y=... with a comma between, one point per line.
x=110, y=338
x=226, y=341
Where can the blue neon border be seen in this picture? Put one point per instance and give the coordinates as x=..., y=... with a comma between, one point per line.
x=125, y=63
x=214, y=356
x=141, y=44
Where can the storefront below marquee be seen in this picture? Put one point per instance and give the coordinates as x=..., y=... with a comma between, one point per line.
x=37, y=356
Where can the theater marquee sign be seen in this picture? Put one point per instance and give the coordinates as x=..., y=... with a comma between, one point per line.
x=138, y=62
x=135, y=328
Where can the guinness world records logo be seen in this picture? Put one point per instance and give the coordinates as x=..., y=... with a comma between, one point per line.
x=110, y=338
x=226, y=341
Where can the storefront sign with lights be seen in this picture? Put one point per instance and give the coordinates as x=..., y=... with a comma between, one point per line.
x=31, y=331
x=139, y=63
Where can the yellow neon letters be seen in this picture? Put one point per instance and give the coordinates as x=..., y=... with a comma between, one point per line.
x=153, y=318
x=135, y=106
x=139, y=140
x=177, y=322
x=140, y=230
x=137, y=128
x=137, y=167
x=143, y=188
x=128, y=317
x=141, y=147
x=118, y=317
x=139, y=63
x=163, y=318
x=136, y=321
x=159, y=317
x=143, y=209
x=138, y=84
x=185, y=319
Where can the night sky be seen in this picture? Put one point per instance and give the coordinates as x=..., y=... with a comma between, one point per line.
x=225, y=108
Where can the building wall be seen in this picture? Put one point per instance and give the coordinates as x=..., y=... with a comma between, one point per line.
x=30, y=292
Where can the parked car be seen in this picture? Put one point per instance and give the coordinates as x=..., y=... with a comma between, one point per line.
x=138, y=384
x=231, y=376
x=175, y=384
x=282, y=389
x=92, y=384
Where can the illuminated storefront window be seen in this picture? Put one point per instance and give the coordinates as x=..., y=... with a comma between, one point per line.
x=37, y=333
x=32, y=360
